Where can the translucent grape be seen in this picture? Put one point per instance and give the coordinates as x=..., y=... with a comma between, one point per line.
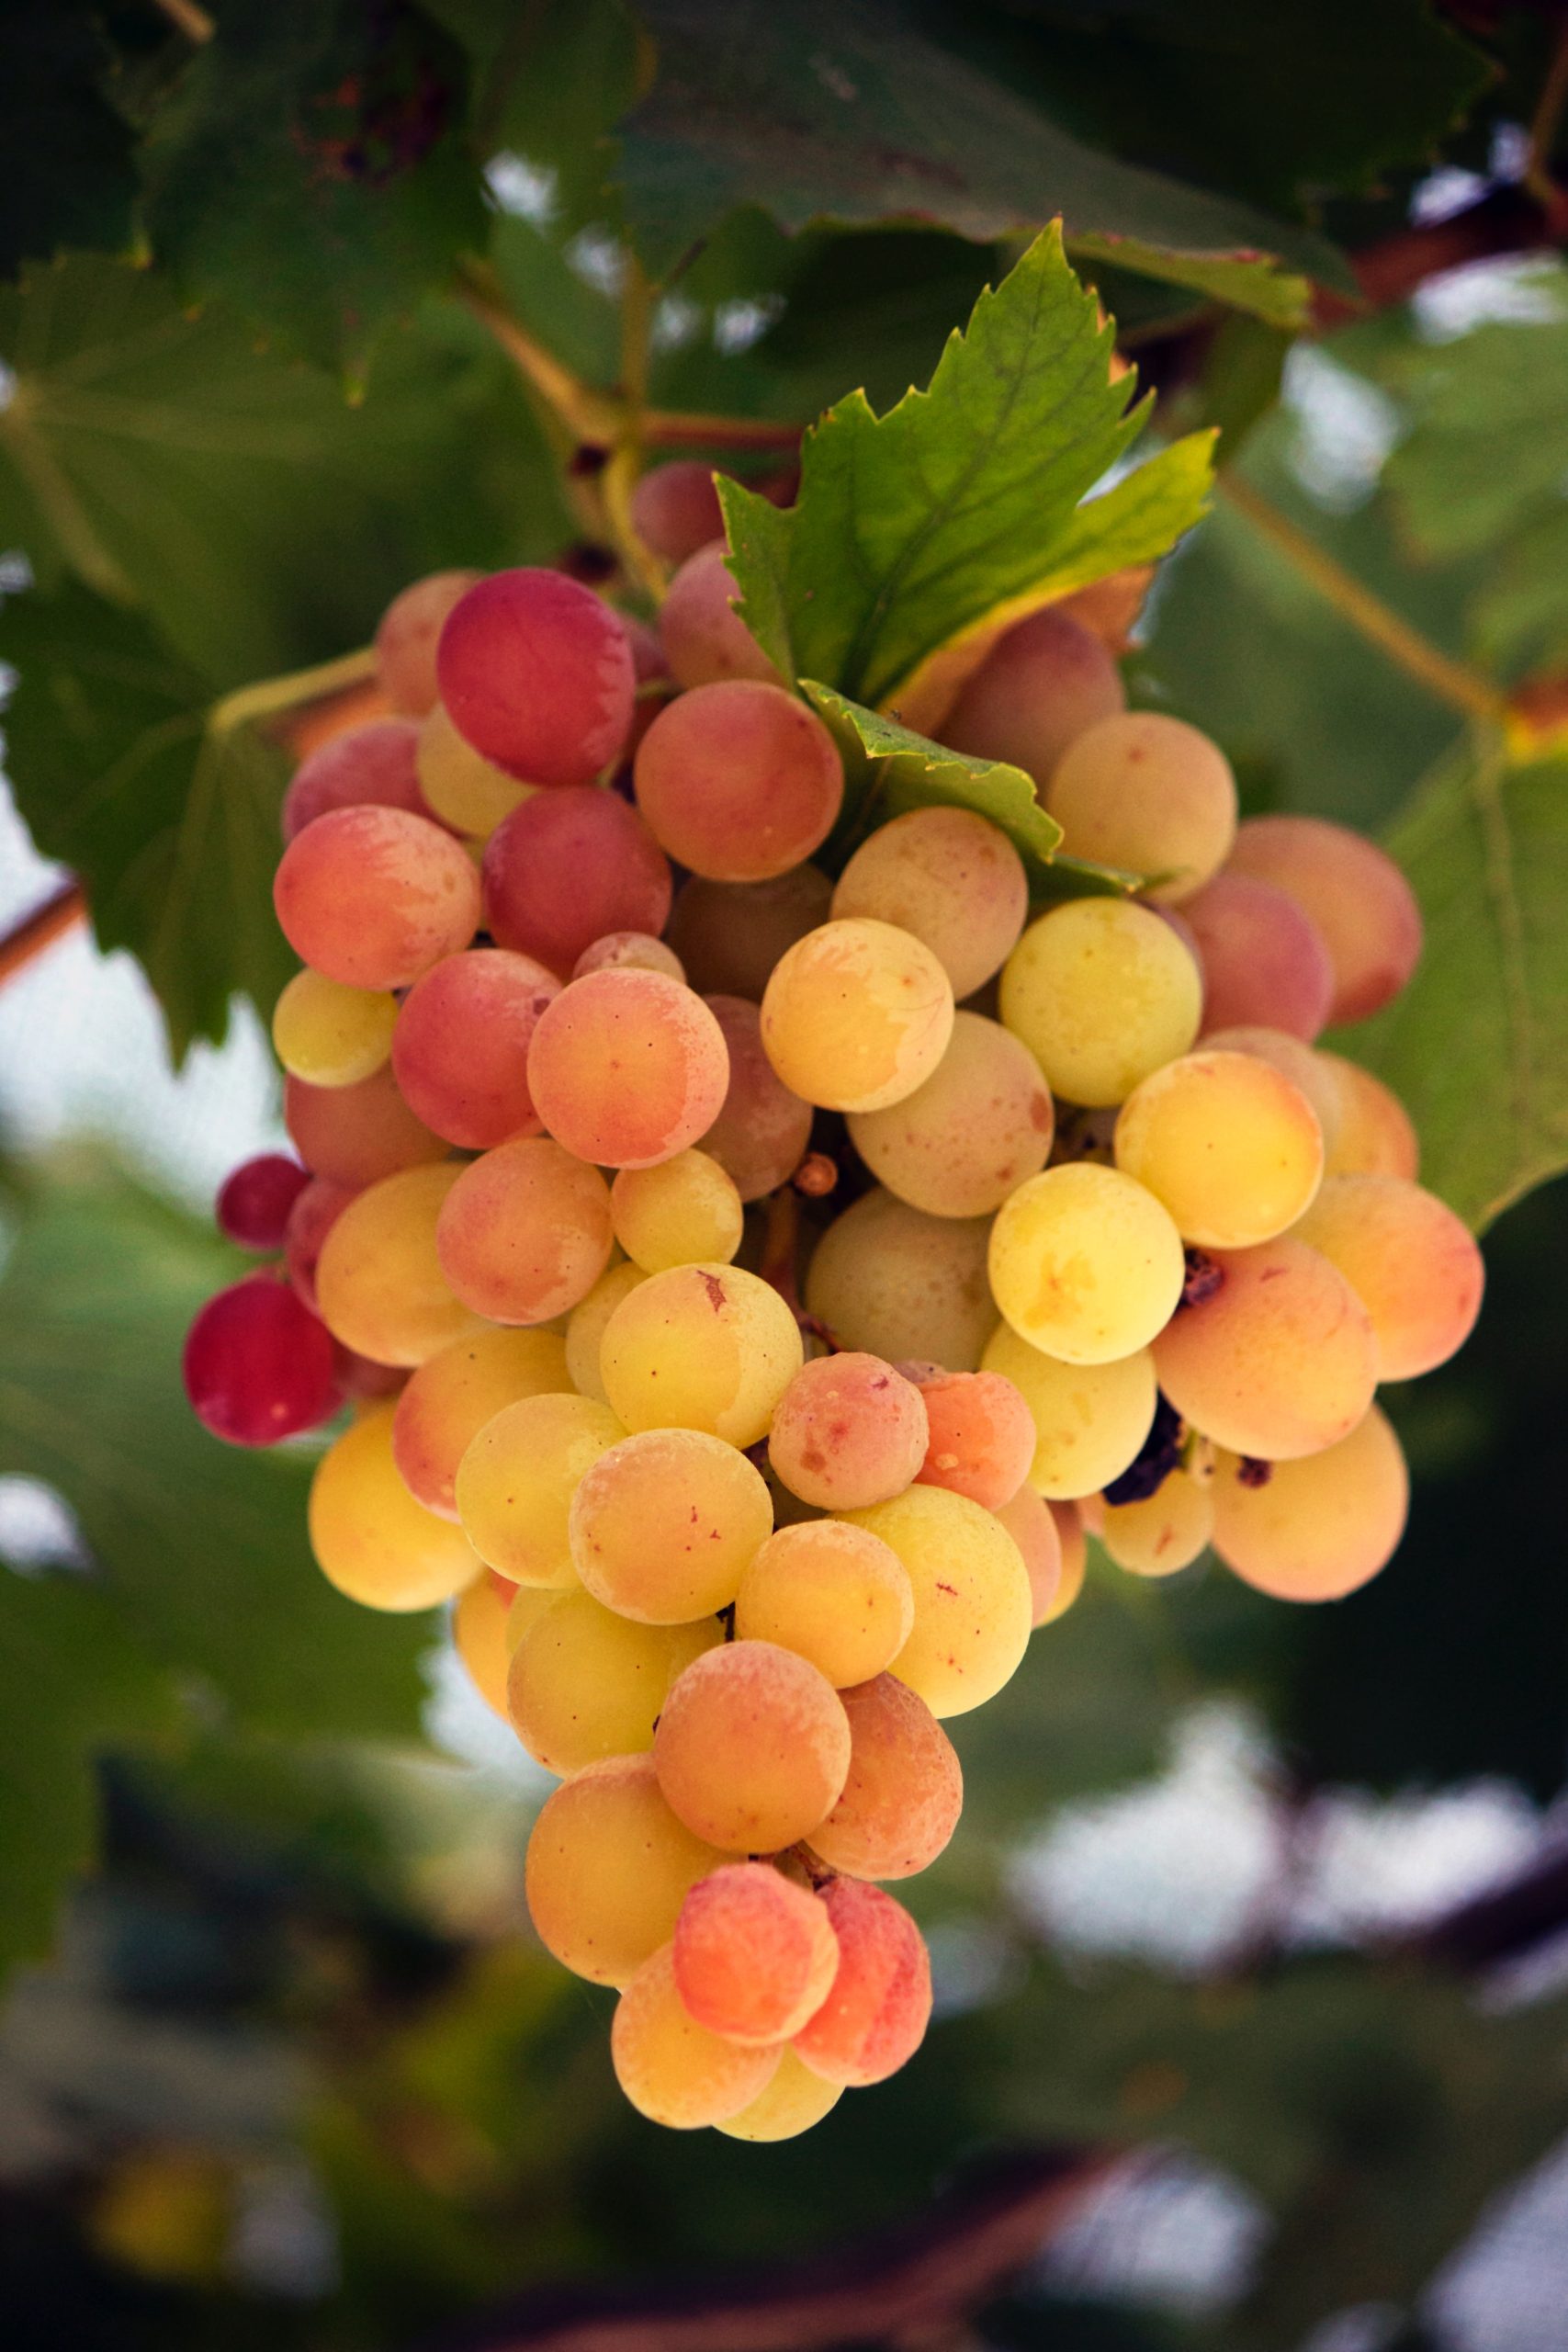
x=1306, y=1071
x=1075, y=1560
x=535, y=672
x=1414, y=1265
x=408, y=634
x=684, y=1210
x=950, y=878
x=257, y=1366
x=672, y=2069
x=1086, y=1264
x=1233, y=1149
x=373, y=897
x=704, y=639
x=760, y=1134
x=370, y=1538
x=310, y=1220
x=460, y=1050
x=971, y=1599
x=730, y=934
x=856, y=1015
x=981, y=1439
x=608, y=1869
x=584, y=1684
x=1090, y=1419
x=636, y=951
x=738, y=781
x=792, y=2103
x=515, y=1483
x=1317, y=1528
x=890, y=1279
x=752, y=1748
x=663, y=1525
x=374, y=764
x=1101, y=992
x=527, y=1605
x=525, y=1232
x=479, y=1635
x=968, y=1137
x=1163, y=1531
x=330, y=1036
x=874, y=2018
x=460, y=786
x=701, y=1348
x=379, y=1284
x=352, y=1135
x=1040, y=686
x=453, y=1394
x=1373, y=1135
x=1147, y=793
x=754, y=1955
x=1264, y=962
x=1361, y=903
x=256, y=1199
x=1280, y=1360
x=565, y=868
x=848, y=1430
x=1031, y=1523
x=586, y=1332
x=629, y=1067
x=834, y=1594
x=904, y=1790
x=675, y=509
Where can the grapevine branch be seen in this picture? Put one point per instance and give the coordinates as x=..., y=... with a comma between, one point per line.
x=58, y=913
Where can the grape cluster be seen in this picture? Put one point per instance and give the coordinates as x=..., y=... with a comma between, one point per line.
x=1124, y=1252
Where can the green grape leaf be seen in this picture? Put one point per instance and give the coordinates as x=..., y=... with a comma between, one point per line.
x=309, y=170
x=128, y=770
x=200, y=1545
x=1477, y=1045
x=819, y=112
x=550, y=81
x=69, y=175
x=917, y=528
x=888, y=770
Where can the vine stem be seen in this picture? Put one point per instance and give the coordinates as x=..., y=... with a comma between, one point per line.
x=194, y=22
x=60, y=912
x=1537, y=175
x=1451, y=682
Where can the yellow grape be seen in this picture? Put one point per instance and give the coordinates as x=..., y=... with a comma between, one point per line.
x=1147, y=793
x=1317, y=1528
x=705, y=1347
x=951, y=878
x=1086, y=1264
x=685, y=1211
x=752, y=1747
x=527, y=1605
x=1101, y=992
x=905, y=1791
x=835, y=1594
x=1165, y=1531
x=848, y=1429
x=453, y=1394
x=663, y=1525
x=370, y=1538
x=1090, y=1419
x=584, y=1684
x=1415, y=1266
x=1279, y=1361
x=672, y=2069
x=1373, y=1135
x=460, y=784
x=608, y=1869
x=791, y=2104
x=1233, y=1149
x=961, y=1142
x=1306, y=1070
x=973, y=1607
x=331, y=1035
x=516, y=1481
x=636, y=951
x=754, y=1955
x=479, y=1635
x=585, y=1330
x=895, y=1283
x=1031, y=1523
x=856, y=1015
x=379, y=1285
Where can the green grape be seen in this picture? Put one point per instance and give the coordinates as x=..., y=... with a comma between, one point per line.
x=1233, y=1149
x=585, y=1684
x=1086, y=1264
x=1163, y=1531
x=370, y=1538
x=834, y=1594
x=1319, y=1527
x=706, y=1347
x=516, y=1481
x=961, y=1142
x=330, y=1036
x=895, y=1283
x=949, y=877
x=1090, y=1419
x=1103, y=992
x=608, y=1869
x=971, y=1599
x=752, y=1747
x=684, y=1211
x=379, y=1285
x=673, y=2070
x=856, y=1015
x=664, y=1525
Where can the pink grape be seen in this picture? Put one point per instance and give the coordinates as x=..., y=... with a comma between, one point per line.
x=1040, y=686
x=567, y=867
x=1353, y=891
x=258, y=1365
x=373, y=897
x=752, y=1747
x=738, y=781
x=762, y=1132
x=754, y=1955
x=1372, y=1133
x=675, y=509
x=525, y=1233
x=1265, y=965
x=905, y=1791
x=636, y=949
x=370, y=765
x=1035, y=1527
x=627, y=1068
x=310, y=1220
x=407, y=636
x=703, y=637
x=253, y=1202
x=460, y=1048
x=875, y=2016
x=1415, y=1267
x=352, y=1135
x=730, y=934
x=982, y=1435
x=534, y=671
x=849, y=1431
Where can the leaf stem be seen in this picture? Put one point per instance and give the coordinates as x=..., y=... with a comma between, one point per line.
x=1536, y=174
x=269, y=695
x=677, y=429
x=1461, y=688
x=592, y=418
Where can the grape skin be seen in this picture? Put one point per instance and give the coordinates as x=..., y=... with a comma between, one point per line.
x=738, y=781
x=629, y=1067
x=1032, y=1525
x=1091, y=1421
x=380, y=1285
x=874, y=2018
x=752, y=1748
x=455, y=1392
x=1086, y=1264
x=704, y=639
x=1373, y=1135
x=585, y=1684
x=701, y=1347
x=352, y=1135
x=856, y=1015
x=535, y=672
x=372, y=897
x=1164, y=1531
x=730, y=934
x=460, y=1047
x=664, y=1524
x=675, y=509
x=565, y=868
x=978, y=1127
x=753, y=1954
x=890, y=1279
x=905, y=1791
x=461, y=789
x=330, y=1036
x=608, y=1869
x=257, y=1366
x=685, y=1210
x=375, y=764
x=950, y=877
x=585, y=1329
x=848, y=1430
x=1149, y=794
x=1263, y=959
x=371, y=1540
x=1414, y=1265
x=1361, y=903
x=792, y=2103
x=1040, y=686
x=1233, y=1149
x=515, y=1483
x=672, y=2069
x=256, y=1199
x=982, y=1436
x=1319, y=1527
x=478, y=1636
x=971, y=1599
x=407, y=636
x=834, y=1594
x=1102, y=993
x=762, y=1130
x=524, y=1232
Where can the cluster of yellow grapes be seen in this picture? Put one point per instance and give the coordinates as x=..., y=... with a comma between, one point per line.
x=1124, y=1252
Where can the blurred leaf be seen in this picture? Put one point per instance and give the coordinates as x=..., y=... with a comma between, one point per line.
x=309, y=170
x=69, y=178
x=1477, y=1045
x=550, y=80
x=914, y=529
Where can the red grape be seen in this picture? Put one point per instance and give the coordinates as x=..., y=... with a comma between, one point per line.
x=738, y=781
x=258, y=1365
x=537, y=673
x=567, y=867
x=373, y=764
x=675, y=509
x=255, y=1201
x=460, y=1048
x=1264, y=965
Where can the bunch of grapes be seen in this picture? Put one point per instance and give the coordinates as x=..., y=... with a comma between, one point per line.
x=740, y=1491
